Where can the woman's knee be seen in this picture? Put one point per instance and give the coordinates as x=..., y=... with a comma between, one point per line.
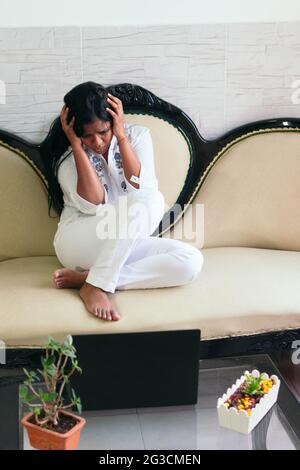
x=192, y=264
x=197, y=264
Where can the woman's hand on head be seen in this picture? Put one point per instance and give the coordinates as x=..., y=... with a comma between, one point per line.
x=69, y=128
x=117, y=114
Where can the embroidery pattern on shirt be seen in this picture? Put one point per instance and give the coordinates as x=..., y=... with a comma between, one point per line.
x=118, y=160
x=98, y=165
x=123, y=186
x=100, y=170
x=119, y=166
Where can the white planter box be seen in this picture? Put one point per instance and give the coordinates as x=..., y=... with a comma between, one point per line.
x=238, y=420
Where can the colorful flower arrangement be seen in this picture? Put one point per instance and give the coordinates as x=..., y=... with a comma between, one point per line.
x=247, y=401
x=249, y=394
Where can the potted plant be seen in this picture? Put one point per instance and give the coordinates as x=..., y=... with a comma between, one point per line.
x=49, y=425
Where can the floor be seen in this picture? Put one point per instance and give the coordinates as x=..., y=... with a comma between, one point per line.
x=180, y=427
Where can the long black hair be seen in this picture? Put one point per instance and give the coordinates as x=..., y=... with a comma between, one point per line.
x=87, y=102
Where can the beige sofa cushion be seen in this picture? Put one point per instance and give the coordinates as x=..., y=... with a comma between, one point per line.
x=26, y=229
x=171, y=152
x=240, y=291
x=251, y=195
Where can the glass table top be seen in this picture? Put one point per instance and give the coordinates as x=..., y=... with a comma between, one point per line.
x=196, y=426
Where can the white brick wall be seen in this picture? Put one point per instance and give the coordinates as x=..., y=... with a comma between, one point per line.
x=222, y=75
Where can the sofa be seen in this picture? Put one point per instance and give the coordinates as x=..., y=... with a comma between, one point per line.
x=246, y=184
x=244, y=189
x=236, y=198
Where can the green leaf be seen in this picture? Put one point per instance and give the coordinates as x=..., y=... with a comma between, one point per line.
x=48, y=362
x=79, y=406
x=252, y=385
x=68, y=353
x=26, y=372
x=31, y=398
x=48, y=396
x=52, y=344
x=23, y=392
x=30, y=375
x=51, y=360
x=51, y=370
x=69, y=340
x=34, y=375
x=53, y=396
x=37, y=410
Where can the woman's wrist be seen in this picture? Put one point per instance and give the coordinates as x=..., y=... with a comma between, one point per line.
x=76, y=145
x=122, y=139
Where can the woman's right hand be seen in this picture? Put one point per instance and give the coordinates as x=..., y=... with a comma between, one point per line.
x=69, y=128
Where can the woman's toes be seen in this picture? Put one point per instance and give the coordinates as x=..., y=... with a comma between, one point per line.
x=97, y=312
x=103, y=313
x=114, y=315
x=108, y=317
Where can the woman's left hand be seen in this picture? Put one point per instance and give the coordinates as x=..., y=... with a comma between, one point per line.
x=118, y=116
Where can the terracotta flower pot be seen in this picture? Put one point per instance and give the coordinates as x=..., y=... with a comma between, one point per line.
x=44, y=439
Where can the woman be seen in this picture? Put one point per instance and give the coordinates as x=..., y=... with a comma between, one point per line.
x=97, y=166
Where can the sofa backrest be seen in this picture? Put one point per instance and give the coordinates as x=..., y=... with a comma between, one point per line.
x=250, y=194
x=26, y=229
x=248, y=189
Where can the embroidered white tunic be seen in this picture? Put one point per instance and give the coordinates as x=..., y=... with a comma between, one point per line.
x=111, y=173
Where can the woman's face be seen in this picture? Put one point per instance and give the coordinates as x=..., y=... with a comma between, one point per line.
x=97, y=136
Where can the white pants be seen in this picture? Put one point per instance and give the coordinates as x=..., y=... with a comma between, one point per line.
x=129, y=262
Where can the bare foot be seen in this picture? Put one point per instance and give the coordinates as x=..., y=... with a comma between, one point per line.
x=67, y=278
x=98, y=303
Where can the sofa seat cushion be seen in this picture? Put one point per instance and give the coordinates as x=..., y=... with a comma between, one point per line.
x=240, y=291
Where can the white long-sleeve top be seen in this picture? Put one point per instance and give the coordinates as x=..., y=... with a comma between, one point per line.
x=111, y=173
